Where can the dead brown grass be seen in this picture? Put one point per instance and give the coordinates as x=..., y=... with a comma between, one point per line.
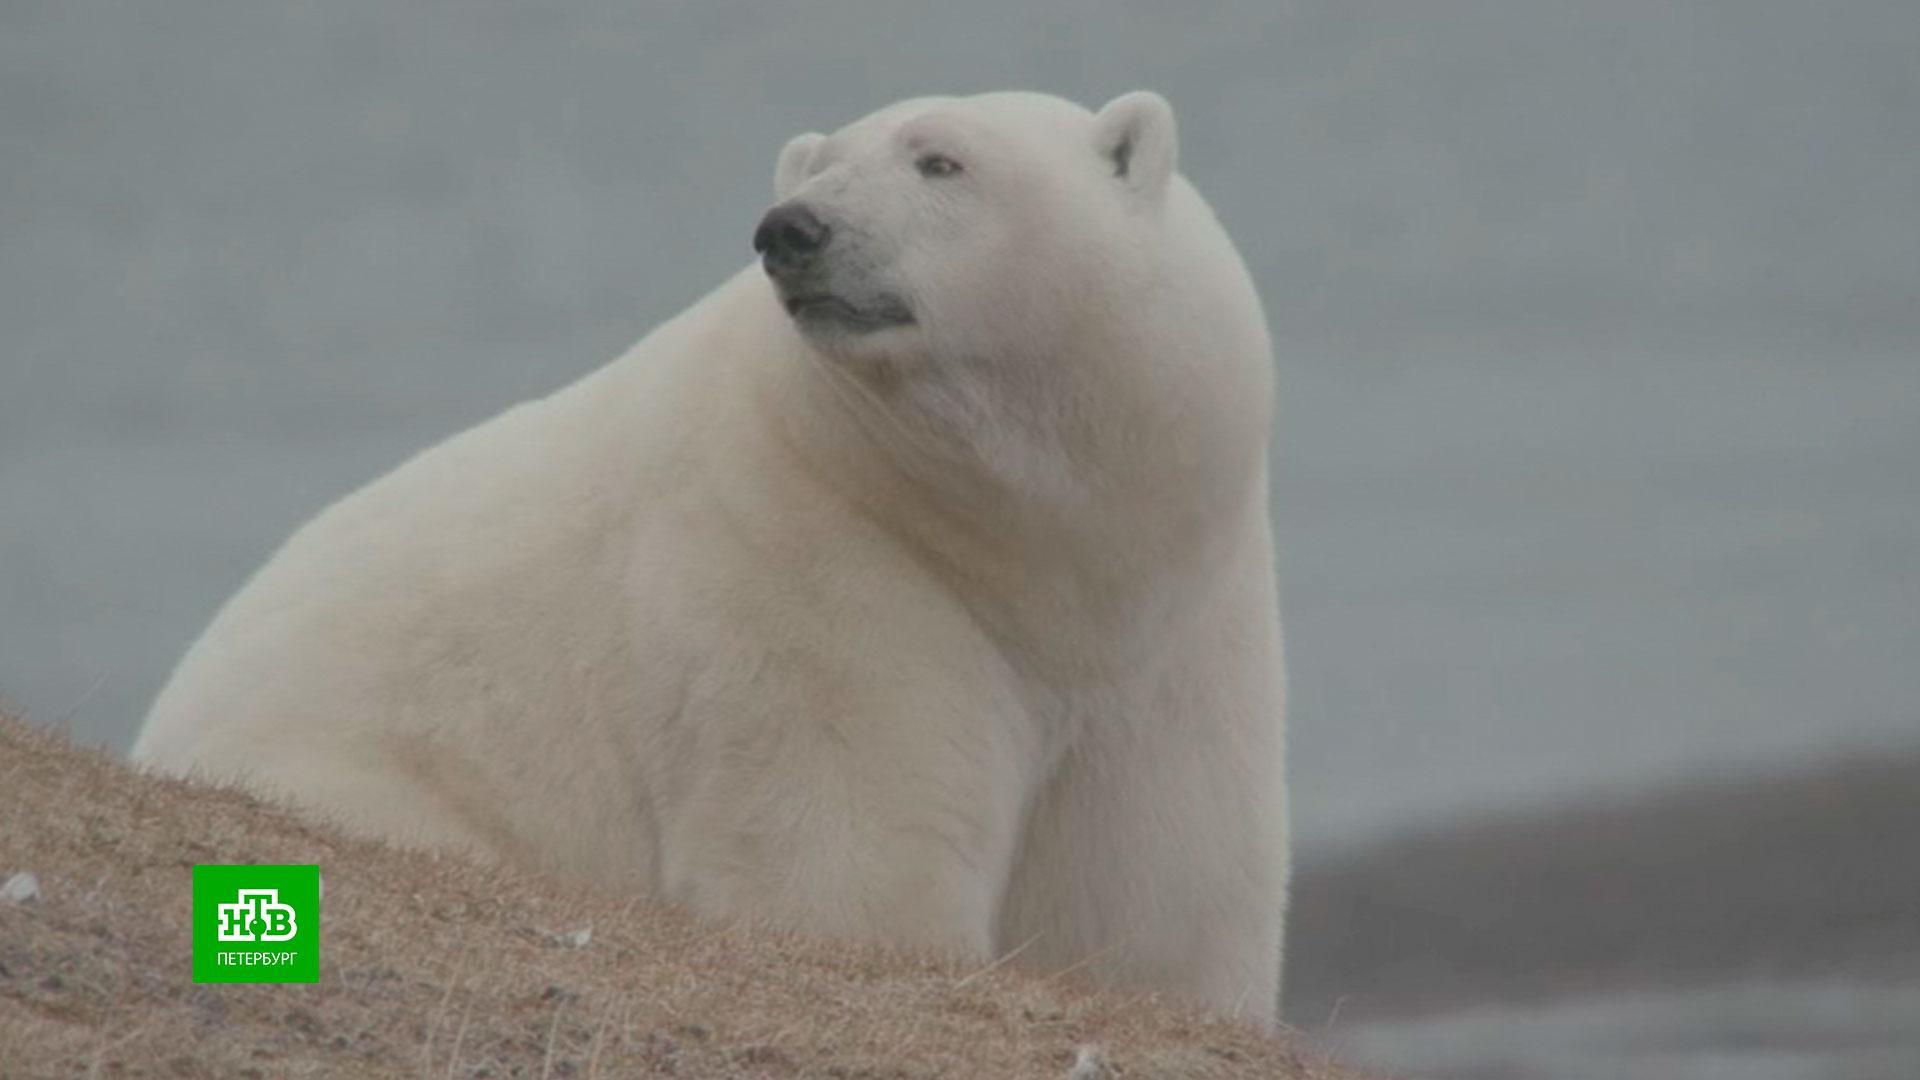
x=439, y=967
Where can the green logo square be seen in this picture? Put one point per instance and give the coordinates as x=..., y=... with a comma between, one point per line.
x=256, y=924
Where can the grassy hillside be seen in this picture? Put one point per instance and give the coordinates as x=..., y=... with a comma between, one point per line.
x=437, y=967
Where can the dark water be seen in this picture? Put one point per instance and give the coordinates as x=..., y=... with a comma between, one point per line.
x=1597, y=328
x=1759, y=927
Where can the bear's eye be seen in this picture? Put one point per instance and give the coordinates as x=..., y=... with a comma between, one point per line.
x=936, y=165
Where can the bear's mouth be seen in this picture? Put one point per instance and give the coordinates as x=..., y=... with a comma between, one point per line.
x=828, y=308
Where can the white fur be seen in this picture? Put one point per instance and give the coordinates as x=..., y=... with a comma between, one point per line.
x=959, y=634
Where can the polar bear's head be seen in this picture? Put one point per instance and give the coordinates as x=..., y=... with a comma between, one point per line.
x=973, y=225
x=1011, y=257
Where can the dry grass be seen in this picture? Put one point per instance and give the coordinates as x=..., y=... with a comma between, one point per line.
x=439, y=967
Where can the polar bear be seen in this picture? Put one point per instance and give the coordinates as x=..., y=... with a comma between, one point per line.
x=914, y=586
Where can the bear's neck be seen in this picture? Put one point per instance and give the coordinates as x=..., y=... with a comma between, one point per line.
x=1026, y=519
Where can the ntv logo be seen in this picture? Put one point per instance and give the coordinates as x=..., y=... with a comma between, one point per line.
x=256, y=923
x=257, y=915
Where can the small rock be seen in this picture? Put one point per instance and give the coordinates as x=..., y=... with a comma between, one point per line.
x=572, y=939
x=1090, y=1064
x=21, y=888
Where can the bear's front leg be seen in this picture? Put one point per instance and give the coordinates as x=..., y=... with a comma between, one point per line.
x=891, y=821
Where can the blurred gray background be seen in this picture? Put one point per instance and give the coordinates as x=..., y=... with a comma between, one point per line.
x=1597, y=482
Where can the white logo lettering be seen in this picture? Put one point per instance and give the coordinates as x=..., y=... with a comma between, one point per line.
x=256, y=915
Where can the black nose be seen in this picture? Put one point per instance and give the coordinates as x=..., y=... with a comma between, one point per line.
x=790, y=236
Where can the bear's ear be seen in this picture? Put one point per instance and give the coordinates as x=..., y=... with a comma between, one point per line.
x=1135, y=137
x=796, y=161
